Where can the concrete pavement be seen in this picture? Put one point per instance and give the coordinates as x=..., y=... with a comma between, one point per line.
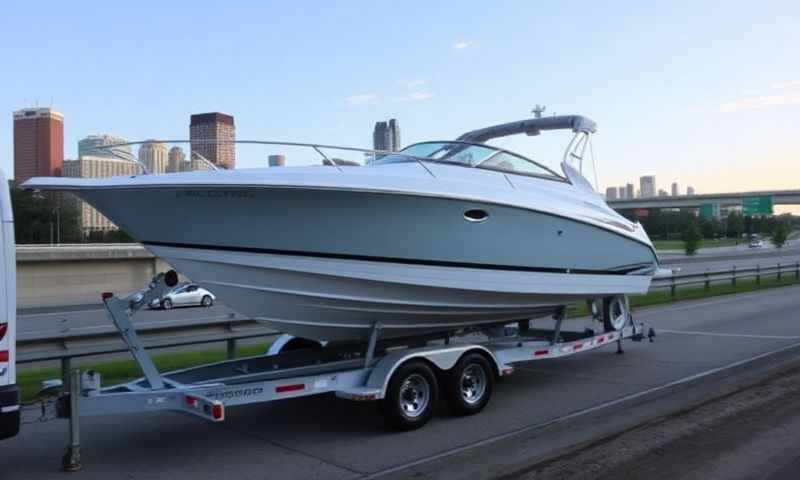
x=324, y=437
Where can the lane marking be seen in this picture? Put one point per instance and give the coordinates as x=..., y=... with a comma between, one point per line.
x=736, y=335
x=576, y=414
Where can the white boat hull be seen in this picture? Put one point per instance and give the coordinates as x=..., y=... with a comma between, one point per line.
x=341, y=299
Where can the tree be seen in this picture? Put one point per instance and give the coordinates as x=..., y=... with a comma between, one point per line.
x=691, y=237
x=44, y=218
x=735, y=225
x=780, y=234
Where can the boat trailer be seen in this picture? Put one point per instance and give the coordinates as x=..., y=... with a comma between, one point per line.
x=408, y=375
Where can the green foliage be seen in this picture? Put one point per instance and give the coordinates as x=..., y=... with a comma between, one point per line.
x=691, y=237
x=44, y=218
x=735, y=222
x=780, y=234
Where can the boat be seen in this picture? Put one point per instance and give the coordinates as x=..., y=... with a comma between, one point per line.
x=439, y=237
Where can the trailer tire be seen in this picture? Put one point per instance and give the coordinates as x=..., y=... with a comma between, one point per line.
x=410, y=399
x=615, y=313
x=469, y=385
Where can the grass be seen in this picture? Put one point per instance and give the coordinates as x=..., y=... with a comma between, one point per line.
x=119, y=371
x=679, y=244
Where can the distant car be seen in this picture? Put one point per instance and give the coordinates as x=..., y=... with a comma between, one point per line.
x=756, y=243
x=189, y=295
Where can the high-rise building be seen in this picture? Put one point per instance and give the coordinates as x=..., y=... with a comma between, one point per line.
x=92, y=146
x=629, y=193
x=212, y=136
x=689, y=190
x=394, y=133
x=386, y=136
x=89, y=219
x=662, y=193
x=176, y=160
x=675, y=190
x=154, y=156
x=611, y=193
x=38, y=143
x=277, y=160
x=647, y=186
x=621, y=191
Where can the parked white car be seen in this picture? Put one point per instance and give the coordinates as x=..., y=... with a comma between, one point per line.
x=756, y=243
x=187, y=295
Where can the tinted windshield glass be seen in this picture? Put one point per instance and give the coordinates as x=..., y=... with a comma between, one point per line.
x=451, y=152
x=469, y=155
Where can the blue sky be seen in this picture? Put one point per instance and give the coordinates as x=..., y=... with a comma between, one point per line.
x=705, y=93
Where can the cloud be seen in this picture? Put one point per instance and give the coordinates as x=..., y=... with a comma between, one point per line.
x=462, y=44
x=415, y=97
x=764, y=101
x=362, y=99
x=411, y=84
x=785, y=85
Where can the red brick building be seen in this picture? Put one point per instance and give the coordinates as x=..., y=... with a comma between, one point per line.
x=38, y=143
x=212, y=136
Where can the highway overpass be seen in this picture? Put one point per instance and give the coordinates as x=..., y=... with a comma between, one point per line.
x=779, y=197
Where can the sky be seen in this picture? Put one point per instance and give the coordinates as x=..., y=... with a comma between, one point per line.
x=704, y=93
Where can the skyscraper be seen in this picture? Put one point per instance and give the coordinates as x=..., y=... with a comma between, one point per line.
x=212, y=136
x=277, y=160
x=386, y=136
x=629, y=193
x=88, y=166
x=622, y=195
x=662, y=192
x=91, y=146
x=153, y=155
x=675, y=190
x=647, y=186
x=689, y=190
x=611, y=193
x=38, y=143
x=394, y=133
x=176, y=160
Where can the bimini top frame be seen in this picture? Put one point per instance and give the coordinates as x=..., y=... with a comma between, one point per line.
x=532, y=126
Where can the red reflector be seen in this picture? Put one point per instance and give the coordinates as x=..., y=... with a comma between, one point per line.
x=3, y=330
x=541, y=352
x=3, y=355
x=217, y=411
x=578, y=346
x=601, y=339
x=289, y=388
x=191, y=402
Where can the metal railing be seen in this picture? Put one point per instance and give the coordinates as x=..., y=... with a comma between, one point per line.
x=731, y=276
x=230, y=329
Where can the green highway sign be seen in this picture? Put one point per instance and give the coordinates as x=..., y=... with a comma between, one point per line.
x=709, y=210
x=757, y=205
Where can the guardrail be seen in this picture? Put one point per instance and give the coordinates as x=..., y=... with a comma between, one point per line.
x=731, y=275
x=230, y=329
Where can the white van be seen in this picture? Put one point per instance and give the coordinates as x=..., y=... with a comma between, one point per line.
x=9, y=392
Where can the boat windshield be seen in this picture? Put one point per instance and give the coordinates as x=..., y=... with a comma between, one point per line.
x=468, y=155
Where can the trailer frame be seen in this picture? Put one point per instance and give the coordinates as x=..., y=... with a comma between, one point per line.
x=353, y=371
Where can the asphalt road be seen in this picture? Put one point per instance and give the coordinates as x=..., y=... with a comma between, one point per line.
x=324, y=437
x=726, y=257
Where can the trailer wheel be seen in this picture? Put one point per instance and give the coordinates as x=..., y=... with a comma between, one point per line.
x=615, y=313
x=469, y=384
x=411, y=397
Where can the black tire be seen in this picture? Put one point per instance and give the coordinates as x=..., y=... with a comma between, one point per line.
x=166, y=304
x=613, y=307
x=470, y=384
x=403, y=412
x=207, y=301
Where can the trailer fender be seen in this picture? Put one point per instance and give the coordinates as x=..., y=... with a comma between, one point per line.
x=443, y=358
